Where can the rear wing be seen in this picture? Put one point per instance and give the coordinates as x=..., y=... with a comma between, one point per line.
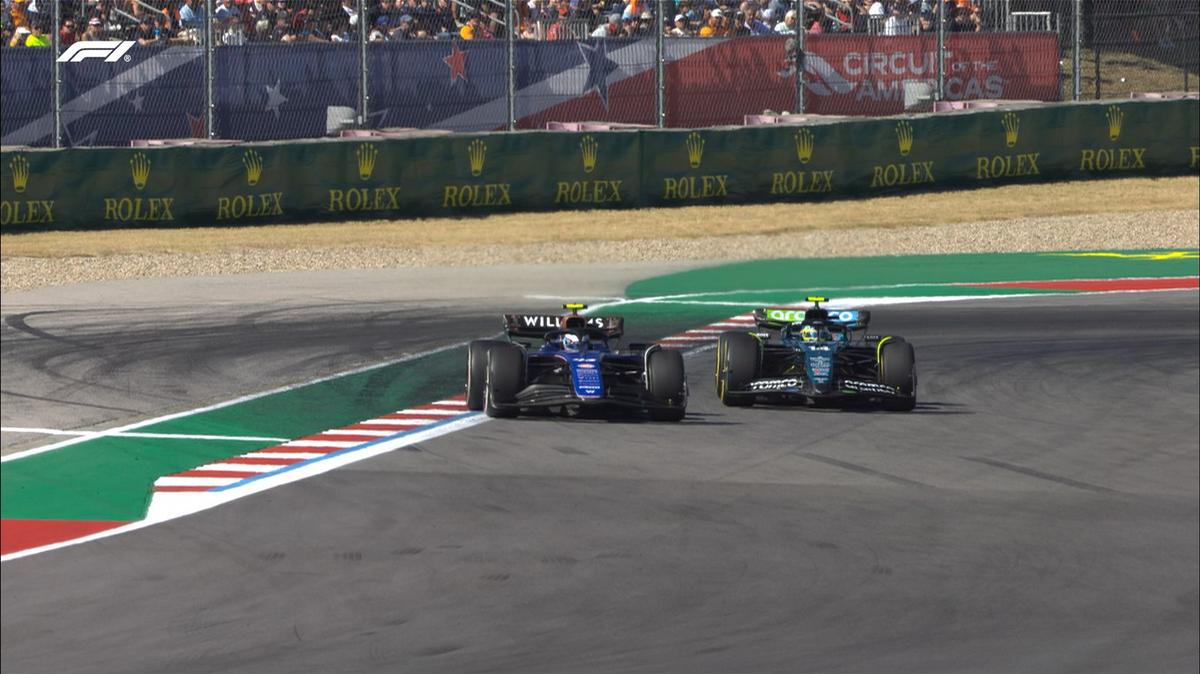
x=535, y=326
x=776, y=318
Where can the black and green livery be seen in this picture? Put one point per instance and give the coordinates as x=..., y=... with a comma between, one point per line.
x=822, y=357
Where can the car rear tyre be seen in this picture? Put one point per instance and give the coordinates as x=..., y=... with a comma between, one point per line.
x=897, y=368
x=477, y=371
x=739, y=355
x=505, y=377
x=666, y=382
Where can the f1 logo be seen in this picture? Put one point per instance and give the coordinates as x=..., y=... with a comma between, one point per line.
x=110, y=51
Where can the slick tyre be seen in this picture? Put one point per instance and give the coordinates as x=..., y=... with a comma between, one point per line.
x=665, y=381
x=897, y=368
x=477, y=371
x=505, y=377
x=739, y=355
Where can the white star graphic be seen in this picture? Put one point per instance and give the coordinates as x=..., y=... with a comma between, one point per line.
x=274, y=98
x=137, y=100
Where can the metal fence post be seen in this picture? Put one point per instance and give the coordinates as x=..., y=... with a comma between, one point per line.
x=1076, y=52
x=209, y=75
x=1095, y=47
x=510, y=57
x=363, y=94
x=800, y=60
x=54, y=43
x=939, y=93
x=660, y=84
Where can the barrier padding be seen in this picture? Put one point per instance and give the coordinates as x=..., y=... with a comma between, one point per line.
x=479, y=174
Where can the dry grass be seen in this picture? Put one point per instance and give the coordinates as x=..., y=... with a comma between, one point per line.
x=999, y=203
x=1123, y=73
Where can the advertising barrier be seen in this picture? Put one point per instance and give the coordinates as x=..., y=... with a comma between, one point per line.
x=527, y=171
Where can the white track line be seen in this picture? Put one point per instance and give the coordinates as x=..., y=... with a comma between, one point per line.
x=166, y=506
x=195, y=481
x=234, y=401
x=341, y=444
x=248, y=468
x=400, y=422
x=284, y=455
x=160, y=436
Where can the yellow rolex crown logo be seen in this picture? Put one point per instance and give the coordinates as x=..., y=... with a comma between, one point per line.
x=1115, y=118
x=1012, y=127
x=695, y=149
x=140, y=167
x=20, y=173
x=804, y=145
x=366, y=154
x=477, y=153
x=254, y=167
x=904, y=137
x=589, y=148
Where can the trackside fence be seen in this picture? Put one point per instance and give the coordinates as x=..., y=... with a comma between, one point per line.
x=129, y=72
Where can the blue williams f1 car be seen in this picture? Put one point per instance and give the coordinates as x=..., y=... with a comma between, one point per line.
x=566, y=363
x=819, y=359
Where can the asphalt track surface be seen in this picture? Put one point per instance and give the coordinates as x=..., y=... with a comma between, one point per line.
x=1039, y=511
x=104, y=354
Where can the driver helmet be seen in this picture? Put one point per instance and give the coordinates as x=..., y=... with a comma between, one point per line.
x=571, y=342
x=813, y=333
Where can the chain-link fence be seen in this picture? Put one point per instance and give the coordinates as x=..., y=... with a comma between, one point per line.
x=172, y=71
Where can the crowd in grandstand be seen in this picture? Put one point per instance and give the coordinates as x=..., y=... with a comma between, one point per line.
x=28, y=23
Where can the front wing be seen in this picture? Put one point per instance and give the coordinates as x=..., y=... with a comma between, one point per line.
x=785, y=388
x=557, y=395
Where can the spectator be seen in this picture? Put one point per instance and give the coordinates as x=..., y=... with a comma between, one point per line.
x=712, y=26
x=404, y=30
x=965, y=19
x=282, y=31
x=681, y=27
x=67, y=35
x=788, y=25
x=19, y=36
x=145, y=33
x=644, y=25
x=189, y=14
x=629, y=26
x=897, y=23
x=781, y=8
x=752, y=24
x=94, y=31
x=470, y=29
x=442, y=21
x=255, y=17
x=231, y=32
x=610, y=29
x=225, y=11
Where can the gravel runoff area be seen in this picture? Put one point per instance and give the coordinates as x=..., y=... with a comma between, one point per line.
x=1151, y=229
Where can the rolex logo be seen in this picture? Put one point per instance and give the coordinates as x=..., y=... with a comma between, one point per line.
x=20, y=173
x=804, y=145
x=366, y=154
x=904, y=137
x=1012, y=127
x=254, y=167
x=589, y=148
x=477, y=153
x=1115, y=119
x=140, y=168
x=695, y=149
